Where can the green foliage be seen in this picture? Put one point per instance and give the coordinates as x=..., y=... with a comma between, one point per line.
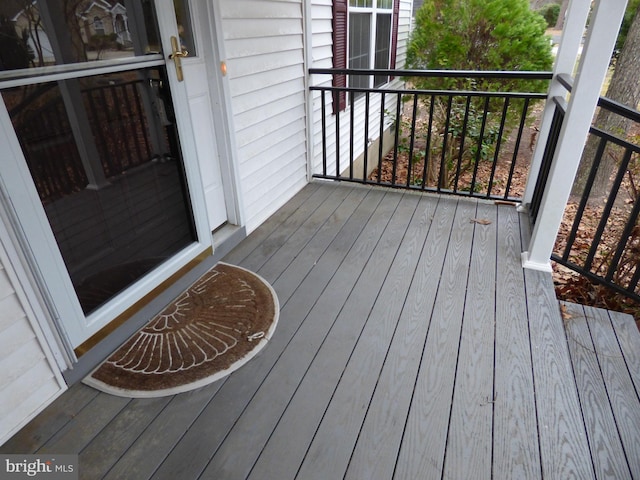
x=629, y=14
x=550, y=13
x=479, y=35
x=503, y=35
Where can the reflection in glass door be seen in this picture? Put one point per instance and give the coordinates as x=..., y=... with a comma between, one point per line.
x=90, y=103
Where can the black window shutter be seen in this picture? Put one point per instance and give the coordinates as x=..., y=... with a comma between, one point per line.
x=340, y=15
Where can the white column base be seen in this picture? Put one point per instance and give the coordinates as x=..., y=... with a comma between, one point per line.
x=542, y=267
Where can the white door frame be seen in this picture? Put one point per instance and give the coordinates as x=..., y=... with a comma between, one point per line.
x=47, y=262
x=207, y=20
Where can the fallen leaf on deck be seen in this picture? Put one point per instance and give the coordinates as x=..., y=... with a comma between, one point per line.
x=481, y=221
x=565, y=313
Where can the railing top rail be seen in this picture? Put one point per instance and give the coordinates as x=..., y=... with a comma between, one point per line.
x=611, y=105
x=453, y=93
x=436, y=73
x=619, y=109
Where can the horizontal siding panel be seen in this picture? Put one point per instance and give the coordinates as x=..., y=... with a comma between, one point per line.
x=288, y=186
x=12, y=312
x=321, y=12
x=289, y=162
x=278, y=120
x=21, y=360
x=252, y=83
x=25, y=397
x=292, y=145
x=275, y=96
x=6, y=288
x=249, y=47
x=272, y=170
x=13, y=337
x=234, y=29
x=260, y=9
x=321, y=39
x=324, y=62
x=239, y=67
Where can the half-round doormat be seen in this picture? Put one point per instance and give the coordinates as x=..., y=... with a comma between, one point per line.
x=224, y=319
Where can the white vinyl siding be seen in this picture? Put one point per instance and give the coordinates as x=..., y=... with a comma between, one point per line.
x=265, y=64
x=29, y=378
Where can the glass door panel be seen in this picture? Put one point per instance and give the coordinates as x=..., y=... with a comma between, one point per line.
x=103, y=150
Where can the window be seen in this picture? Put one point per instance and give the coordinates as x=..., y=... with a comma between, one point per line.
x=98, y=26
x=369, y=39
x=372, y=29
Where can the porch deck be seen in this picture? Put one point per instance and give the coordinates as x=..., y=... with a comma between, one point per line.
x=411, y=344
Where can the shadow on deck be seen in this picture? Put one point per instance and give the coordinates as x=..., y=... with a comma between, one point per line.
x=411, y=344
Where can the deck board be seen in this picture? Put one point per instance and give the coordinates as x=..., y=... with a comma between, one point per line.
x=606, y=447
x=338, y=348
x=90, y=421
x=470, y=430
x=423, y=449
x=626, y=407
x=515, y=436
x=379, y=439
x=229, y=403
x=411, y=344
x=563, y=445
x=51, y=420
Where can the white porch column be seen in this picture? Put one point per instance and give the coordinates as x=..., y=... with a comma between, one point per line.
x=594, y=62
x=568, y=51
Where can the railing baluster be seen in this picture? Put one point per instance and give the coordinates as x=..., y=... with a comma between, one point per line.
x=607, y=209
x=622, y=243
x=463, y=137
x=516, y=147
x=134, y=126
x=144, y=122
x=427, y=153
x=633, y=284
x=547, y=160
x=351, y=133
x=583, y=201
x=496, y=155
x=365, y=159
x=414, y=114
x=396, y=139
x=472, y=189
x=336, y=102
x=323, y=120
x=442, y=175
x=381, y=137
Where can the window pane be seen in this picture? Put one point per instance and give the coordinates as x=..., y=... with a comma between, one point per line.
x=361, y=3
x=105, y=158
x=359, y=46
x=185, y=30
x=56, y=32
x=388, y=4
x=383, y=47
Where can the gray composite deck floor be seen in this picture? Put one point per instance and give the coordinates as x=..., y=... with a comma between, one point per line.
x=410, y=345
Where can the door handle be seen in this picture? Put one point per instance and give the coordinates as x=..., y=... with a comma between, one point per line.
x=177, y=55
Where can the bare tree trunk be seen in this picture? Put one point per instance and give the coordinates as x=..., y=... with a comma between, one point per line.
x=624, y=88
x=563, y=10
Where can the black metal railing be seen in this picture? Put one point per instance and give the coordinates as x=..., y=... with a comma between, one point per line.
x=602, y=226
x=464, y=141
x=547, y=157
